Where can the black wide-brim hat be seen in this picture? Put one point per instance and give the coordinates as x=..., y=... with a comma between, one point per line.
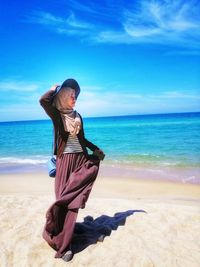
x=70, y=83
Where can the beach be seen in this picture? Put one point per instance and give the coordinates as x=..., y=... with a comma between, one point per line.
x=158, y=222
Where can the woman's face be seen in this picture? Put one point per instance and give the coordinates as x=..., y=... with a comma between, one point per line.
x=66, y=98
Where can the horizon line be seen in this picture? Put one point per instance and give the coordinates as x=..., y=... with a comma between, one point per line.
x=111, y=116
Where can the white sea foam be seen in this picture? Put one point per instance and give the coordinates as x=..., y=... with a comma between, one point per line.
x=189, y=179
x=20, y=160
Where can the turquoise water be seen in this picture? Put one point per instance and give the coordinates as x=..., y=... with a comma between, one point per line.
x=146, y=140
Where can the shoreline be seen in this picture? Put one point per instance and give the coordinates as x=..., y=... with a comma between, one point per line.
x=187, y=175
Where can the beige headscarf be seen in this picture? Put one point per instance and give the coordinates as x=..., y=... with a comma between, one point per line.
x=70, y=117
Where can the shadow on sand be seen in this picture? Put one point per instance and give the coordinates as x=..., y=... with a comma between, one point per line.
x=91, y=230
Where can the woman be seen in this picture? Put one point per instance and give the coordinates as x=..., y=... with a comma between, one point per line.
x=76, y=170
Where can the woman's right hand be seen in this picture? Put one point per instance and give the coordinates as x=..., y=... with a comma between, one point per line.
x=53, y=87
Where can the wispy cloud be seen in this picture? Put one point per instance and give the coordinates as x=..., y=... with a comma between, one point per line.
x=163, y=21
x=154, y=21
x=69, y=25
x=24, y=104
x=18, y=86
x=180, y=95
x=121, y=102
x=20, y=99
x=159, y=22
x=21, y=111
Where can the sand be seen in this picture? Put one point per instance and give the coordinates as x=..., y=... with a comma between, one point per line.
x=162, y=229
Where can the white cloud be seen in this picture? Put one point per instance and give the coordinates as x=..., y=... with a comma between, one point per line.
x=46, y=18
x=21, y=111
x=96, y=101
x=69, y=25
x=162, y=21
x=75, y=23
x=154, y=21
x=180, y=95
x=115, y=103
x=18, y=86
x=23, y=102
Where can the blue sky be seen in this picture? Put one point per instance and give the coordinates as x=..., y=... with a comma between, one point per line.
x=129, y=57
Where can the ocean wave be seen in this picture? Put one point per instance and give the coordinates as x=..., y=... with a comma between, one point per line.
x=142, y=159
x=35, y=160
x=147, y=159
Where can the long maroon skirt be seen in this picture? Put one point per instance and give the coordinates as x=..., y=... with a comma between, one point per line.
x=75, y=175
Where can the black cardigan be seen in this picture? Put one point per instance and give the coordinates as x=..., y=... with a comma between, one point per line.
x=60, y=135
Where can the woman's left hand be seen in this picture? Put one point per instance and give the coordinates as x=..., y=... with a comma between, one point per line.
x=99, y=153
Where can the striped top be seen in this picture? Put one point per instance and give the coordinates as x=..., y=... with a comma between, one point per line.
x=73, y=145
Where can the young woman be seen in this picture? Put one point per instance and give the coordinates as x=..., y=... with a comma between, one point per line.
x=76, y=170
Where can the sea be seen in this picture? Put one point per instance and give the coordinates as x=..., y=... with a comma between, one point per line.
x=161, y=146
